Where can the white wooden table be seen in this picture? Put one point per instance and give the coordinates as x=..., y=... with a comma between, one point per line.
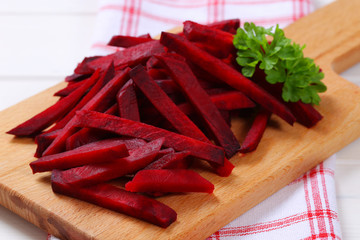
x=42, y=41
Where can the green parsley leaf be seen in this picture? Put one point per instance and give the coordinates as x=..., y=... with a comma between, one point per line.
x=281, y=60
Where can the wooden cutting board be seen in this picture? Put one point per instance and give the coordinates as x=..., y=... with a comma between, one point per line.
x=332, y=36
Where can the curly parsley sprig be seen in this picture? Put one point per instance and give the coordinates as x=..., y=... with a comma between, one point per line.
x=281, y=60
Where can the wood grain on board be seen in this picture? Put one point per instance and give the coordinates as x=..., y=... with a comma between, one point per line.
x=284, y=154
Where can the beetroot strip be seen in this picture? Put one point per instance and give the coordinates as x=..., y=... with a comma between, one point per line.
x=130, y=56
x=68, y=89
x=127, y=41
x=101, y=172
x=95, y=152
x=127, y=102
x=169, y=180
x=86, y=135
x=229, y=25
x=47, y=117
x=106, y=94
x=256, y=131
x=117, y=199
x=164, y=104
x=230, y=100
x=169, y=161
x=43, y=141
x=183, y=76
x=106, y=76
x=226, y=73
x=209, y=36
x=127, y=127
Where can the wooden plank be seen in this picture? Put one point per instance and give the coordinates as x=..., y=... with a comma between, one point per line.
x=256, y=176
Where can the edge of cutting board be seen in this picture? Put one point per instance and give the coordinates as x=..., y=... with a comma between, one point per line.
x=255, y=177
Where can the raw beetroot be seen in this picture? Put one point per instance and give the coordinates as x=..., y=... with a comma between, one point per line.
x=182, y=74
x=47, y=117
x=121, y=126
x=226, y=73
x=101, y=172
x=117, y=199
x=128, y=41
x=169, y=180
x=256, y=131
x=127, y=102
x=166, y=103
x=101, y=100
x=101, y=151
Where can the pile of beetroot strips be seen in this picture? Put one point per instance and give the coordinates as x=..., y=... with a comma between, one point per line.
x=146, y=113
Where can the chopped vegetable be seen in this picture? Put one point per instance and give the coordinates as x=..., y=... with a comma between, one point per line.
x=91, y=174
x=228, y=25
x=128, y=41
x=96, y=152
x=127, y=102
x=117, y=199
x=150, y=111
x=169, y=180
x=128, y=57
x=226, y=73
x=220, y=40
x=47, y=117
x=183, y=76
x=170, y=160
x=164, y=104
x=256, y=131
x=101, y=100
x=130, y=128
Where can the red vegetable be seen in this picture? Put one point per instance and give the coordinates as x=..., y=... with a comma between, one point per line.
x=96, y=173
x=183, y=76
x=169, y=180
x=127, y=102
x=128, y=57
x=164, y=152
x=47, y=117
x=96, y=152
x=117, y=199
x=256, y=131
x=210, y=36
x=68, y=89
x=104, y=78
x=103, y=98
x=130, y=128
x=164, y=104
x=230, y=100
x=170, y=160
x=305, y=113
x=229, y=25
x=226, y=73
x=44, y=140
x=76, y=77
x=127, y=41
x=86, y=136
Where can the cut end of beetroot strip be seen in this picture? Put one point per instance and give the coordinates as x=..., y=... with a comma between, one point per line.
x=117, y=199
x=169, y=180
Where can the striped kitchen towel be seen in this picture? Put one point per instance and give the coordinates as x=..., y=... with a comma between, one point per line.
x=304, y=209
